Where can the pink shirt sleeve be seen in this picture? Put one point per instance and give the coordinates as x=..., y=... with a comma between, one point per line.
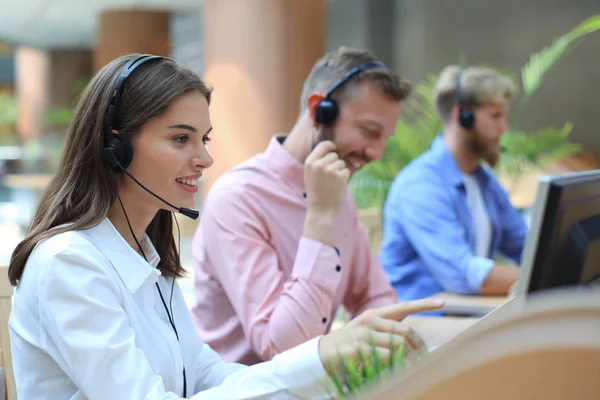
x=277, y=313
x=370, y=287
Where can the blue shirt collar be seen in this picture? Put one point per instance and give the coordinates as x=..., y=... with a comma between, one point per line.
x=450, y=169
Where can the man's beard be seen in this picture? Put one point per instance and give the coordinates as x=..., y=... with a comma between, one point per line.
x=327, y=134
x=490, y=154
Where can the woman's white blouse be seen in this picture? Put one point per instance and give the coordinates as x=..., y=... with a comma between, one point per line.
x=88, y=323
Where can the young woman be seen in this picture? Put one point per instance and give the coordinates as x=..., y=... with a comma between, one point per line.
x=97, y=313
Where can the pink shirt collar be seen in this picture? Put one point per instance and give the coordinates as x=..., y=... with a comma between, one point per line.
x=284, y=164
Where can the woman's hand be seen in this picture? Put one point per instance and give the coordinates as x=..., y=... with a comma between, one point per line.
x=381, y=326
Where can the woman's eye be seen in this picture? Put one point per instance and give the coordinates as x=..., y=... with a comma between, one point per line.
x=205, y=139
x=181, y=139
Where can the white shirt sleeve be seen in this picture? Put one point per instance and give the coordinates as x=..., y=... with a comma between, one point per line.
x=287, y=376
x=81, y=311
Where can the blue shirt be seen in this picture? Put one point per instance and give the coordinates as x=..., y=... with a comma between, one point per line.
x=428, y=235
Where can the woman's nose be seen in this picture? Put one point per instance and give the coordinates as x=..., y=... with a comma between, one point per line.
x=202, y=158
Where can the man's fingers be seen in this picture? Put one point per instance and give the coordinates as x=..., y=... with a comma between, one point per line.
x=323, y=163
x=320, y=150
x=399, y=311
x=338, y=165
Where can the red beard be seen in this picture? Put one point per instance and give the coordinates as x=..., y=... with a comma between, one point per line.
x=490, y=153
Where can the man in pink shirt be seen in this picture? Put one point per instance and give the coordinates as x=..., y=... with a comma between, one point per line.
x=279, y=246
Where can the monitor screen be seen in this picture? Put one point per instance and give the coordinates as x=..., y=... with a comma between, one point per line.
x=563, y=245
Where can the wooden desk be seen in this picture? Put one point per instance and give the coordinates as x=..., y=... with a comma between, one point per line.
x=438, y=330
x=476, y=306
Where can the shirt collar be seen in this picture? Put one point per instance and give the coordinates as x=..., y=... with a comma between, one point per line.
x=283, y=164
x=129, y=264
x=450, y=169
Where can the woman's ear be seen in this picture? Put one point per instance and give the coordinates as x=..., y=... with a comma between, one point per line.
x=312, y=103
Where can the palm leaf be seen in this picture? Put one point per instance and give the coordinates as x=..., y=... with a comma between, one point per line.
x=534, y=149
x=540, y=63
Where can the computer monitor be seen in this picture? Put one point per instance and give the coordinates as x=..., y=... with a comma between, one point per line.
x=563, y=244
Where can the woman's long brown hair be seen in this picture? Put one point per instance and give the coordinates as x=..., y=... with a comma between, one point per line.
x=84, y=188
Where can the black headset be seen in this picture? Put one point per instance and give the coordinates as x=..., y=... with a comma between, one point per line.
x=328, y=109
x=466, y=118
x=117, y=151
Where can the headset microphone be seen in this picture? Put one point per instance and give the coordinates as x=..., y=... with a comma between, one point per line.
x=193, y=214
x=188, y=212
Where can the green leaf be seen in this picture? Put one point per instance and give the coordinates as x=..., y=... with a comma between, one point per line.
x=590, y=25
x=349, y=371
x=541, y=62
x=535, y=149
x=398, y=354
x=369, y=371
x=337, y=381
x=377, y=364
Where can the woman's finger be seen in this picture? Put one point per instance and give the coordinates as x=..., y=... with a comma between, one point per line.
x=392, y=327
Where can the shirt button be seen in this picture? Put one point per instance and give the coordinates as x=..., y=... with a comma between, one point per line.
x=324, y=320
x=304, y=194
x=338, y=268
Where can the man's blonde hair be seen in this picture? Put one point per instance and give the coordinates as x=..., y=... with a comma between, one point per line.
x=478, y=86
x=334, y=65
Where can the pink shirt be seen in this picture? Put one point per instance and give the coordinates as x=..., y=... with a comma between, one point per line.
x=261, y=287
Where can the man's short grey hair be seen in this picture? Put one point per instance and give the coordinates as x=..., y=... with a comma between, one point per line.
x=336, y=63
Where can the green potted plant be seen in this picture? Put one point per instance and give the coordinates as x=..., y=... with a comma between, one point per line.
x=353, y=375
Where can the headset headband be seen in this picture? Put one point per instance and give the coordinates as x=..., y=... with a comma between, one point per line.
x=125, y=73
x=458, y=83
x=354, y=71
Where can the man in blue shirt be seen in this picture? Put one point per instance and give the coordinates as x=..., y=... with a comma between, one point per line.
x=446, y=216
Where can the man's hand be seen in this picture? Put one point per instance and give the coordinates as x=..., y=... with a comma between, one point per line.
x=326, y=179
x=500, y=279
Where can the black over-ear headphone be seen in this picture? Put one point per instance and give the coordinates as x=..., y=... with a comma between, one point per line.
x=466, y=118
x=117, y=151
x=328, y=109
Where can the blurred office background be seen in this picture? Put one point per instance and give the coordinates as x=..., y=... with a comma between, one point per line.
x=257, y=53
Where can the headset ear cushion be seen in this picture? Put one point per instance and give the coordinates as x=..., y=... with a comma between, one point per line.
x=466, y=118
x=127, y=151
x=327, y=112
x=118, y=153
